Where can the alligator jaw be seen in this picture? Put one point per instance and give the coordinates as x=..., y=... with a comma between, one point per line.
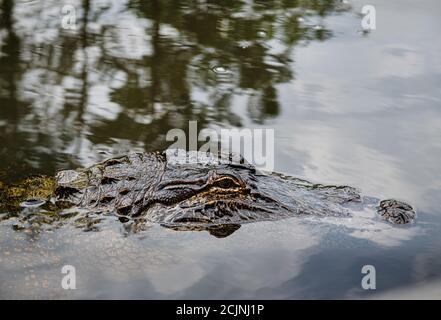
x=145, y=187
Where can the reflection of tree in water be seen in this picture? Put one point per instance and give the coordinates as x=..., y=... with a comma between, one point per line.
x=130, y=72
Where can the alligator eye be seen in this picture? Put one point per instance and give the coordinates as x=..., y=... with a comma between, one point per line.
x=226, y=183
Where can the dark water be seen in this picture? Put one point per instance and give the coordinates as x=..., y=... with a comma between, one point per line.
x=347, y=107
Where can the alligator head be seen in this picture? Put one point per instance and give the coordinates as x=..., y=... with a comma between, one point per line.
x=172, y=188
x=199, y=191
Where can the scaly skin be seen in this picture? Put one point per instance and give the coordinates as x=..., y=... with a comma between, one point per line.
x=183, y=191
x=42, y=219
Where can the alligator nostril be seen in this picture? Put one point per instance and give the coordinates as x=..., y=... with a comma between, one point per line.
x=395, y=211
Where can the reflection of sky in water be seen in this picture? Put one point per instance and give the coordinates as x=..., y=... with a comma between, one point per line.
x=350, y=109
x=365, y=111
x=301, y=257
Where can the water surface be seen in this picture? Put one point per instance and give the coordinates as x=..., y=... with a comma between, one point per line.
x=348, y=107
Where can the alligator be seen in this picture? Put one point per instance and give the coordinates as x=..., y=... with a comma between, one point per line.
x=184, y=191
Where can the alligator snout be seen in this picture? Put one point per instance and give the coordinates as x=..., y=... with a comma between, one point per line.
x=396, y=212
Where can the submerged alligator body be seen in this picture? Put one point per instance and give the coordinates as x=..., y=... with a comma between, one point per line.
x=188, y=190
